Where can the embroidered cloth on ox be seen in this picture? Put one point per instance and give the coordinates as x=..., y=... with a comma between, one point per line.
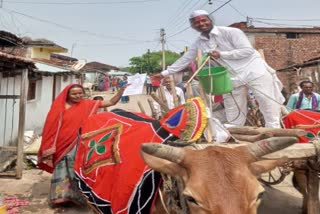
x=108, y=166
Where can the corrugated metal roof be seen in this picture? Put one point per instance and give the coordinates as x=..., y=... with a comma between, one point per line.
x=119, y=73
x=49, y=68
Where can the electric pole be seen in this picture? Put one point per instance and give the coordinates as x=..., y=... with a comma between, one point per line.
x=163, y=41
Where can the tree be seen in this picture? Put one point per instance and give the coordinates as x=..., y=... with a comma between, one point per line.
x=151, y=62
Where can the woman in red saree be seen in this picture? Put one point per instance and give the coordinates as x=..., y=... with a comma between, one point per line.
x=59, y=138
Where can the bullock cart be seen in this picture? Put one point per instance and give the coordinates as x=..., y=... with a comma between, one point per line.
x=303, y=161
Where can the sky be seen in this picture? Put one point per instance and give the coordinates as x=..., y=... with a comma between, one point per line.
x=113, y=31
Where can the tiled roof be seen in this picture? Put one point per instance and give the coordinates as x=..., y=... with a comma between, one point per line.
x=8, y=39
x=14, y=62
x=62, y=64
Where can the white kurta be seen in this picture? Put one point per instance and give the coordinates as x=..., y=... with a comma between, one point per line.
x=248, y=70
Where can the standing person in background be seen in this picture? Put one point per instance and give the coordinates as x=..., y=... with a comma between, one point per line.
x=60, y=136
x=124, y=81
x=305, y=99
x=148, y=84
x=168, y=93
x=106, y=80
x=114, y=83
x=101, y=83
x=155, y=83
x=248, y=69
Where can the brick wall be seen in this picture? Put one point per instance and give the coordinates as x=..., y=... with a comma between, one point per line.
x=281, y=52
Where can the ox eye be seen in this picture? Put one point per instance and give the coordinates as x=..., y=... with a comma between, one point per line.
x=190, y=199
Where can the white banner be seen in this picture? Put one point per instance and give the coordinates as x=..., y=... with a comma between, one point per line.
x=136, y=84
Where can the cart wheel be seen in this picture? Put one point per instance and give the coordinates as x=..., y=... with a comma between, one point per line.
x=273, y=177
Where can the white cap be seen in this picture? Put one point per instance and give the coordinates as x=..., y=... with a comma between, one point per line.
x=197, y=13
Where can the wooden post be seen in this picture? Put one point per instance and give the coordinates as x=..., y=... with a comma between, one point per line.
x=189, y=91
x=162, y=105
x=22, y=115
x=162, y=95
x=141, y=107
x=153, y=110
x=54, y=87
x=245, y=130
x=199, y=69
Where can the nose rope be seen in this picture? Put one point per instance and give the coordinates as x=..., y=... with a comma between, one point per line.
x=162, y=202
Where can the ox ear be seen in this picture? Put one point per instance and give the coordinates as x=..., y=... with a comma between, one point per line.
x=163, y=165
x=259, y=167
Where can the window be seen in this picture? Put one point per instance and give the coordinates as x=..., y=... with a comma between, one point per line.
x=32, y=90
x=292, y=35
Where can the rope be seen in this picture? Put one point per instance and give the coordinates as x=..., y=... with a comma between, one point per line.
x=162, y=201
x=251, y=87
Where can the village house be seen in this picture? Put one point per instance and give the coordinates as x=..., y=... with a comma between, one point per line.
x=283, y=47
x=52, y=72
x=47, y=78
x=13, y=98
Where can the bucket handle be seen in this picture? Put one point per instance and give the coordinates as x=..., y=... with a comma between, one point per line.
x=223, y=64
x=197, y=71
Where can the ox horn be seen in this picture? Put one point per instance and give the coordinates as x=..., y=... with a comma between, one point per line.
x=270, y=145
x=170, y=153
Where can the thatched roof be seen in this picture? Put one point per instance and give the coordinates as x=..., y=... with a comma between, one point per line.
x=8, y=39
x=10, y=63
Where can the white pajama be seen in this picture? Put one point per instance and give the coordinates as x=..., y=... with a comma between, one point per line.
x=265, y=92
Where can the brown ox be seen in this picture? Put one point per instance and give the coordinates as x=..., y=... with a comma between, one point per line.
x=217, y=180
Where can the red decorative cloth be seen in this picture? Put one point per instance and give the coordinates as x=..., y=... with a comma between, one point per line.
x=110, y=172
x=61, y=128
x=303, y=119
x=108, y=166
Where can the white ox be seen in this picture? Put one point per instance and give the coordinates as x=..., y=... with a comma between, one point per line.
x=217, y=180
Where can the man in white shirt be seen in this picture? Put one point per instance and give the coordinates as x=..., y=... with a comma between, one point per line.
x=168, y=93
x=248, y=70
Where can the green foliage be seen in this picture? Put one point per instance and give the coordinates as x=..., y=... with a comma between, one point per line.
x=151, y=62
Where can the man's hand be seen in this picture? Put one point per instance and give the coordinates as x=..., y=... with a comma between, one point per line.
x=215, y=54
x=157, y=76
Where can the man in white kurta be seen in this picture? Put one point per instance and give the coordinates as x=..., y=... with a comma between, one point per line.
x=168, y=93
x=247, y=69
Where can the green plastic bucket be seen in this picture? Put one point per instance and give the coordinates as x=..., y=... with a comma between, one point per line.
x=215, y=81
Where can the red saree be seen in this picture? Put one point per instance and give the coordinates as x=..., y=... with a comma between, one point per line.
x=61, y=129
